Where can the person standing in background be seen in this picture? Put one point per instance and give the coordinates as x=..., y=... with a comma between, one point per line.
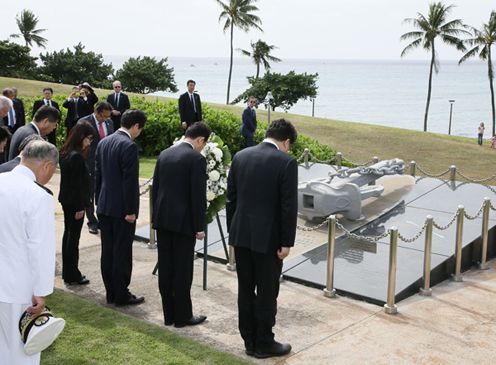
x=120, y=102
x=480, y=133
x=249, y=122
x=47, y=100
x=16, y=118
x=190, y=110
x=74, y=195
x=91, y=97
x=72, y=106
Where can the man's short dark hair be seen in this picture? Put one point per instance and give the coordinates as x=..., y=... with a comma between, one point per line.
x=49, y=112
x=48, y=89
x=191, y=81
x=281, y=130
x=8, y=92
x=132, y=116
x=103, y=105
x=4, y=134
x=198, y=129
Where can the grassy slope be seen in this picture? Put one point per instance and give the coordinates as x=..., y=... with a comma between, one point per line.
x=100, y=336
x=358, y=142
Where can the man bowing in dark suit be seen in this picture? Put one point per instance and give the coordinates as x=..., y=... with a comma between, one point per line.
x=119, y=101
x=179, y=206
x=47, y=100
x=100, y=120
x=261, y=218
x=117, y=200
x=190, y=110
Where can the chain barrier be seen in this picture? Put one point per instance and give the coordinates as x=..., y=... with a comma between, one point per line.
x=328, y=162
x=311, y=229
x=414, y=238
x=477, y=215
x=361, y=164
x=367, y=171
x=146, y=182
x=491, y=206
x=432, y=175
x=475, y=180
x=145, y=191
x=370, y=239
x=450, y=223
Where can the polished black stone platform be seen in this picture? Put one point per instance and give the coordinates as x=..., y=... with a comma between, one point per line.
x=361, y=268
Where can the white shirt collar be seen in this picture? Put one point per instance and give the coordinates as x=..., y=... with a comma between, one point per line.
x=125, y=131
x=268, y=140
x=23, y=170
x=36, y=127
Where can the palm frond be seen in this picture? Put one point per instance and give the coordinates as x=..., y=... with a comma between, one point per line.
x=411, y=35
x=411, y=46
x=471, y=53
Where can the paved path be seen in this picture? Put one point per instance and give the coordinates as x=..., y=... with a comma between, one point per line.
x=457, y=325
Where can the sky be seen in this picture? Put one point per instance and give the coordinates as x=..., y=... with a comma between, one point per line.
x=308, y=29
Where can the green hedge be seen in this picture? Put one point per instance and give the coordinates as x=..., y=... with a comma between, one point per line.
x=163, y=126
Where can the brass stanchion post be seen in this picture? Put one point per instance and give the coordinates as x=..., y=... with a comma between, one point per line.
x=305, y=157
x=426, y=290
x=390, y=307
x=452, y=172
x=413, y=167
x=339, y=159
x=329, y=290
x=485, y=233
x=152, y=243
x=231, y=265
x=459, y=237
x=375, y=159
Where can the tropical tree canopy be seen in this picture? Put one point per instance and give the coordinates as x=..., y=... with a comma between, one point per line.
x=27, y=23
x=16, y=61
x=480, y=44
x=286, y=89
x=239, y=14
x=427, y=29
x=260, y=55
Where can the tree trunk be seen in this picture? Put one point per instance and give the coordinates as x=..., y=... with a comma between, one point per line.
x=230, y=64
x=491, y=77
x=258, y=70
x=429, y=89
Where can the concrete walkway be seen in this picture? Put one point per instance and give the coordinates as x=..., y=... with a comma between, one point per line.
x=457, y=325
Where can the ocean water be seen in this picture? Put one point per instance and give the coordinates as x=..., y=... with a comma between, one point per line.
x=389, y=93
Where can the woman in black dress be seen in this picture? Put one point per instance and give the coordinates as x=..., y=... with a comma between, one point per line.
x=74, y=196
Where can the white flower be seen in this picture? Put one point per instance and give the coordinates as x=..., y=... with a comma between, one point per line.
x=218, y=153
x=211, y=163
x=210, y=196
x=209, y=183
x=220, y=191
x=214, y=175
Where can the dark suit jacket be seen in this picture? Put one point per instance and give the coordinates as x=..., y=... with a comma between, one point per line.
x=74, y=181
x=39, y=103
x=92, y=99
x=20, y=117
x=116, y=172
x=76, y=109
x=18, y=137
x=186, y=111
x=262, y=199
x=10, y=165
x=179, y=190
x=90, y=159
x=249, y=125
x=121, y=106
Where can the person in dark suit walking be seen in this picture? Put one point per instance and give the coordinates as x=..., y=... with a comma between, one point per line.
x=74, y=195
x=44, y=122
x=117, y=200
x=101, y=122
x=190, y=110
x=47, y=100
x=261, y=212
x=120, y=103
x=249, y=122
x=179, y=206
x=15, y=119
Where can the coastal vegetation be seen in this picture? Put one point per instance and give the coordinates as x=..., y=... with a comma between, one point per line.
x=27, y=23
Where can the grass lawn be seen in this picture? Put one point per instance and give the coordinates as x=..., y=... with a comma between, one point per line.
x=147, y=166
x=357, y=141
x=98, y=335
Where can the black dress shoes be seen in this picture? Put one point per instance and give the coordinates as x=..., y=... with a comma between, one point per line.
x=82, y=281
x=193, y=321
x=132, y=300
x=250, y=349
x=168, y=323
x=274, y=349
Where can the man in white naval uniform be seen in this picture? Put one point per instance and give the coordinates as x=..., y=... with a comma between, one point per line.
x=27, y=245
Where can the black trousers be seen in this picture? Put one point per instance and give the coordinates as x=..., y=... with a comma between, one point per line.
x=248, y=140
x=175, y=274
x=90, y=210
x=70, y=244
x=117, y=257
x=258, y=289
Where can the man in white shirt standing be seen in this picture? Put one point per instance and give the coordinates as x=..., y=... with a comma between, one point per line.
x=27, y=244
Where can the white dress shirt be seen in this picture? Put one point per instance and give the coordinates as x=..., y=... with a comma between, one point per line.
x=27, y=237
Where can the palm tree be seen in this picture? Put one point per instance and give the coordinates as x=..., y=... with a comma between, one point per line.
x=238, y=13
x=428, y=29
x=261, y=55
x=27, y=23
x=481, y=44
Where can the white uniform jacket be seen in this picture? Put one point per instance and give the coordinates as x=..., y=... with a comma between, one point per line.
x=27, y=237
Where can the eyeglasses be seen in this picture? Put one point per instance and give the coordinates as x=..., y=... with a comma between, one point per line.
x=117, y=87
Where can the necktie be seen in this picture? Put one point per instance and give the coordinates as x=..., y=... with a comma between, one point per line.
x=11, y=118
x=76, y=114
x=116, y=100
x=193, y=102
x=48, y=103
x=101, y=130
